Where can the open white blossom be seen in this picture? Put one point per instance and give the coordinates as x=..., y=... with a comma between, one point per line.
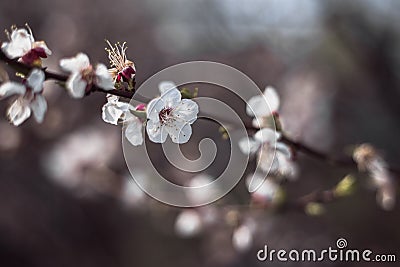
x=83, y=75
x=30, y=98
x=115, y=110
x=171, y=115
x=272, y=156
x=23, y=45
x=263, y=106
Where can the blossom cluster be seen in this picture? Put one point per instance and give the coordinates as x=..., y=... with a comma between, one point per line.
x=170, y=114
x=274, y=158
x=165, y=115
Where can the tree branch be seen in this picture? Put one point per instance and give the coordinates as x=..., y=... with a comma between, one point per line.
x=25, y=69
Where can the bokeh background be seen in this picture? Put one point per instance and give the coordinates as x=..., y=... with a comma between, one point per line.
x=64, y=195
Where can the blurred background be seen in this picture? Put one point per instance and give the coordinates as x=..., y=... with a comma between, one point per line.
x=65, y=194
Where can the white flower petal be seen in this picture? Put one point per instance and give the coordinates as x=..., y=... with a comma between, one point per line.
x=179, y=131
x=263, y=105
x=171, y=97
x=133, y=131
x=165, y=86
x=35, y=80
x=76, y=85
x=39, y=107
x=284, y=149
x=75, y=64
x=154, y=107
x=112, y=98
x=272, y=98
x=266, y=135
x=12, y=88
x=156, y=132
x=249, y=145
x=43, y=45
x=19, y=111
x=103, y=78
x=113, y=110
x=257, y=107
x=19, y=45
x=186, y=110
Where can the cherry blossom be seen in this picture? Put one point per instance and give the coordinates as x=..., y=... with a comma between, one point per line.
x=169, y=114
x=83, y=75
x=115, y=111
x=22, y=45
x=272, y=156
x=30, y=98
x=263, y=106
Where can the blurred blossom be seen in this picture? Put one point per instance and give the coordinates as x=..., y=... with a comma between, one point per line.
x=273, y=156
x=263, y=106
x=209, y=214
x=267, y=191
x=188, y=223
x=370, y=160
x=75, y=155
x=242, y=238
x=131, y=194
x=200, y=196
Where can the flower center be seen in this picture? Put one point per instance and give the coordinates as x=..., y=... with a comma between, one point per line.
x=33, y=57
x=126, y=74
x=88, y=74
x=165, y=115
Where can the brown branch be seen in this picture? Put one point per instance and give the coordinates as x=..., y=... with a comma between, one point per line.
x=344, y=162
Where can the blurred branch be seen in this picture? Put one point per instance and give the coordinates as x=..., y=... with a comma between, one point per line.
x=343, y=162
x=347, y=162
